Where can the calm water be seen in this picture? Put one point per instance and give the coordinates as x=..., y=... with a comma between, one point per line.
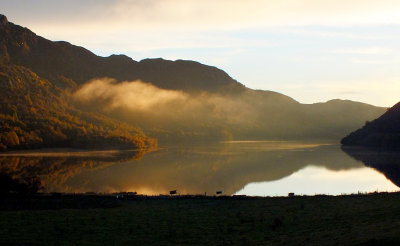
x=262, y=168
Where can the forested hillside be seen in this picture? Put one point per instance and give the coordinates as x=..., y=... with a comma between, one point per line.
x=34, y=114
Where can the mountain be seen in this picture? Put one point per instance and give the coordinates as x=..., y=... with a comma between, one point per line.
x=35, y=113
x=383, y=132
x=172, y=101
x=62, y=62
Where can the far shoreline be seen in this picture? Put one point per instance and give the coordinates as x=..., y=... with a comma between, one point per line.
x=69, y=152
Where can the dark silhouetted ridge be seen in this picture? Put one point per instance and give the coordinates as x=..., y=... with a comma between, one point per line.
x=383, y=132
x=3, y=20
x=53, y=60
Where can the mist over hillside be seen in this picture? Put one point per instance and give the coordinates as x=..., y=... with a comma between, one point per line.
x=174, y=100
x=35, y=113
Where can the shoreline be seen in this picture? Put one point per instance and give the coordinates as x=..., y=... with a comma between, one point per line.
x=70, y=152
x=15, y=201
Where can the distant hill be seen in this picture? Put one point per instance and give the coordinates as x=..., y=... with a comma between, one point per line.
x=383, y=132
x=190, y=101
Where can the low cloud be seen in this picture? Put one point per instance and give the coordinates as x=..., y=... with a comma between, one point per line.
x=135, y=95
x=147, y=105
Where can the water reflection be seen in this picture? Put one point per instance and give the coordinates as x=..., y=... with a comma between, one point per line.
x=228, y=166
x=313, y=180
x=196, y=170
x=386, y=162
x=54, y=167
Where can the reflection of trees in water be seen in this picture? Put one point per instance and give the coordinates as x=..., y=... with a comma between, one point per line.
x=386, y=162
x=200, y=169
x=26, y=185
x=194, y=170
x=55, y=170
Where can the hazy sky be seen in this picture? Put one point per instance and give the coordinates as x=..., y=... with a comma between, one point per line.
x=311, y=50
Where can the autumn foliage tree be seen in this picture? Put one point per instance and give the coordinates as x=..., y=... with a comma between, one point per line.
x=34, y=113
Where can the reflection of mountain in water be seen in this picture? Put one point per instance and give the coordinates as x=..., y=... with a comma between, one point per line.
x=195, y=170
x=386, y=162
x=190, y=170
x=54, y=168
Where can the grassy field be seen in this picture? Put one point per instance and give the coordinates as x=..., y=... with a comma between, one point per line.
x=92, y=220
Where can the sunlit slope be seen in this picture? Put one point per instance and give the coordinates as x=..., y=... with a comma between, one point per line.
x=34, y=113
x=176, y=100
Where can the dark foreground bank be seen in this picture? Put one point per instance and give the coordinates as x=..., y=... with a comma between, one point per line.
x=104, y=220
